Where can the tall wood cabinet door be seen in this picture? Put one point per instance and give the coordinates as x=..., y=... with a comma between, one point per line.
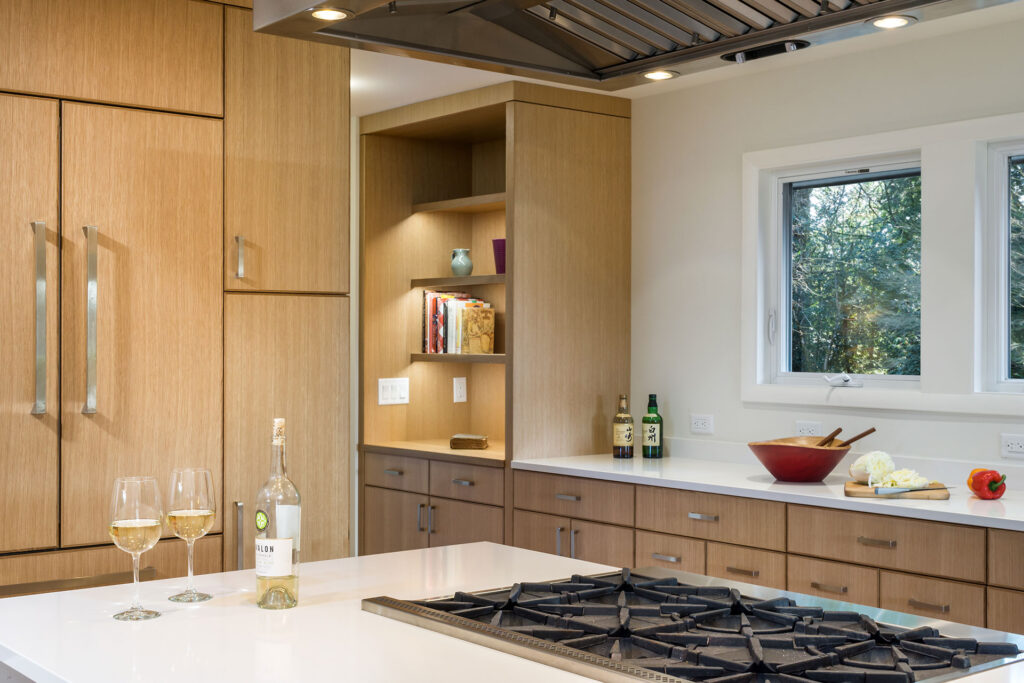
x=28, y=353
x=160, y=55
x=601, y=543
x=287, y=356
x=395, y=520
x=150, y=184
x=456, y=521
x=286, y=163
x=540, y=532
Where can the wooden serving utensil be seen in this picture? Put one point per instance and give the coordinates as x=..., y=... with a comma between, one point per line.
x=828, y=439
x=858, y=437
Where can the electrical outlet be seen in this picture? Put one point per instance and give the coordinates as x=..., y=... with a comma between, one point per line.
x=808, y=428
x=702, y=424
x=459, y=389
x=1012, y=445
x=392, y=391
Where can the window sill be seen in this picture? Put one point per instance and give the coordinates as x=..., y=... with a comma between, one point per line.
x=911, y=401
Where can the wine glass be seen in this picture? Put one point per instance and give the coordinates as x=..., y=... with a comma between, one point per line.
x=135, y=514
x=192, y=510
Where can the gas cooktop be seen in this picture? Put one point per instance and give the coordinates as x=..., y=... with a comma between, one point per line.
x=660, y=625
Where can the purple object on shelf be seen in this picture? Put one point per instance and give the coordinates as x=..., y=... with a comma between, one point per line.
x=499, y=255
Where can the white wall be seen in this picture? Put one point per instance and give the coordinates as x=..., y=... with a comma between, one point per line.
x=687, y=152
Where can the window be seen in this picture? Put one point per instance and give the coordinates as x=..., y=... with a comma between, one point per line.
x=1015, y=226
x=849, y=275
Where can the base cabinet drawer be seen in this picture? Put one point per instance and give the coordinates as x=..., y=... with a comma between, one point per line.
x=833, y=580
x=473, y=483
x=396, y=472
x=1006, y=610
x=1005, y=550
x=729, y=519
x=938, y=598
x=761, y=567
x=671, y=552
x=454, y=521
x=601, y=543
x=575, y=497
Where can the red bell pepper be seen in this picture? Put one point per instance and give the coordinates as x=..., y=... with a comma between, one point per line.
x=987, y=484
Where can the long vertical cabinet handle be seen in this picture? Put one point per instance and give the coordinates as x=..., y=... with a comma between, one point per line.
x=558, y=540
x=91, y=297
x=419, y=517
x=572, y=543
x=39, y=229
x=240, y=268
x=239, y=541
x=430, y=519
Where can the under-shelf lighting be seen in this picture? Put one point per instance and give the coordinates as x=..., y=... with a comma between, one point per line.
x=892, y=21
x=661, y=75
x=329, y=14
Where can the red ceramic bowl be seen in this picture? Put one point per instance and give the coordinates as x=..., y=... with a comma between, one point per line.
x=796, y=458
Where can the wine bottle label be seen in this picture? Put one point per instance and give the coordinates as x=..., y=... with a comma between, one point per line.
x=622, y=435
x=288, y=522
x=652, y=435
x=273, y=557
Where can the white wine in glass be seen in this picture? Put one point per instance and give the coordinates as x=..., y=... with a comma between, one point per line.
x=135, y=525
x=193, y=508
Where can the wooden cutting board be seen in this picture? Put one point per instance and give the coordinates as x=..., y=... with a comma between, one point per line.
x=857, y=490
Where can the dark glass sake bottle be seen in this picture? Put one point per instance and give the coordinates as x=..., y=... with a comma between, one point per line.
x=652, y=429
x=622, y=430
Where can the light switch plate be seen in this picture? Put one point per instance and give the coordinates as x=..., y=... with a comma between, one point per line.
x=459, y=389
x=392, y=391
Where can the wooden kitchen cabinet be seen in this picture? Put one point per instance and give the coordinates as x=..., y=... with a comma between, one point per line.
x=158, y=55
x=455, y=521
x=394, y=520
x=834, y=580
x=601, y=543
x=541, y=532
x=287, y=356
x=286, y=161
x=928, y=597
x=474, y=483
x=150, y=183
x=670, y=552
x=749, y=565
x=396, y=472
x=1005, y=551
x=1005, y=610
x=29, y=417
x=591, y=499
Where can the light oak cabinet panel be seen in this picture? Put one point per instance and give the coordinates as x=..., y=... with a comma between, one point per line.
x=28, y=442
x=749, y=565
x=540, y=532
x=835, y=580
x=396, y=472
x=591, y=499
x=455, y=521
x=151, y=185
x=473, y=483
x=287, y=356
x=159, y=55
x=394, y=520
x=744, y=521
x=601, y=543
x=1005, y=610
x=671, y=552
x=286, y=162
x=1005, y=555
x=938, y=598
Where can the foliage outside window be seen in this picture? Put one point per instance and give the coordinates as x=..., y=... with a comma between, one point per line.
x=854, y=274
x=1016, y=233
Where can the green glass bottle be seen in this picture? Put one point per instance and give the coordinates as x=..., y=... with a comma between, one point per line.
x=652, y=429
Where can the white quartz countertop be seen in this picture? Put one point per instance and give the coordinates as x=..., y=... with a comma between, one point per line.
x=751, y=480
x=70, y=636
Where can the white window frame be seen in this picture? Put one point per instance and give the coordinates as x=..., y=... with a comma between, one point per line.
x=996, y=265
x=776, y=274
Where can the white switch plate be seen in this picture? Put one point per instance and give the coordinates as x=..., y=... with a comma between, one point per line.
x=459, y=389
x=808, y=428
x=392, y=391
x=702, y=424
x=1012, y=445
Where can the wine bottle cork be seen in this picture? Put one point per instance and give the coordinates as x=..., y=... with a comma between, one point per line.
x=278, y=431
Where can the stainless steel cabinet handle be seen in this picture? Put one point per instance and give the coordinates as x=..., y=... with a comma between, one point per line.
x=829, y=588
x=462, y=482
x=430, y=519
x=665, y=558
x=39, y=228
x=419, y=517
x=91, y=297
x=239, y=541
x=928, y=605
x=558, y=540
x=240, y=268
x=566, y=496
x=394, y=473
x=572, y=543
x=745, y=572
x=876, y=542
x=702, y=517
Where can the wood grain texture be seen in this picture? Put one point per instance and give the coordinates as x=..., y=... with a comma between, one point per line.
x=288, y=356
x=602, y=543
x=540, y=532
x=396, y=472
x=473, y=204
x=151, y=183
x=390, y=521
x=456, y=521
x=854, y=489
x=749, y=565
x=29, y=443
x=568, y=241
x=438, y=449
x=900, y=592
x=1005, y=610
x=743, y=521
x=861, y=583
x=1005, y=551
x=286, y=162
x=236, y=3
x=160, y=55
x=598, y=501
x=169, y=557
x=926, y=547
x=689, y=553
x=487, y=484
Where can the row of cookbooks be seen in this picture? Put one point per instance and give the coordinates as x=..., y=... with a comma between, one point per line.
x=455, y=322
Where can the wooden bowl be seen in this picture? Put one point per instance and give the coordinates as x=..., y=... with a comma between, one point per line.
x=796, y=458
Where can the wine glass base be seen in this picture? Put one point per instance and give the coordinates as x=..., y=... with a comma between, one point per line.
x=136, y=614
x=190, y=596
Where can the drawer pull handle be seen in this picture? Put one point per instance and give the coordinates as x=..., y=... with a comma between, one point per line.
x=746, y=572
x=702, y=517
x=876, y=542
x=558, y=540
x=828, y=588
x=665, y=558
x=240, y=266
x=394, y=473
x=462, y=482
x=566, y=496
x=928, y=605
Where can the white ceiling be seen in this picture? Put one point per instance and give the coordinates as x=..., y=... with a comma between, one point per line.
x=381, y=82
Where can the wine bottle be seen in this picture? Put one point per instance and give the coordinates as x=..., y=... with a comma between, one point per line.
x=652, y=429
x=622, y=430
x=278, y=526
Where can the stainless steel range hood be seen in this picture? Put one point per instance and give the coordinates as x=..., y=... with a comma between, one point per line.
x=602, y=44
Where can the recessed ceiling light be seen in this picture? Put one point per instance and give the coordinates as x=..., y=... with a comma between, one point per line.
x=893, y=21
x=328, y=14
x=661, y=75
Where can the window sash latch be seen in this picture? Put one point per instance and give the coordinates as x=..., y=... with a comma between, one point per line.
x=842, y=380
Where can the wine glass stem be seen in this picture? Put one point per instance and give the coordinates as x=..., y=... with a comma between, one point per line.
x=191, y=588
x=136, y=599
